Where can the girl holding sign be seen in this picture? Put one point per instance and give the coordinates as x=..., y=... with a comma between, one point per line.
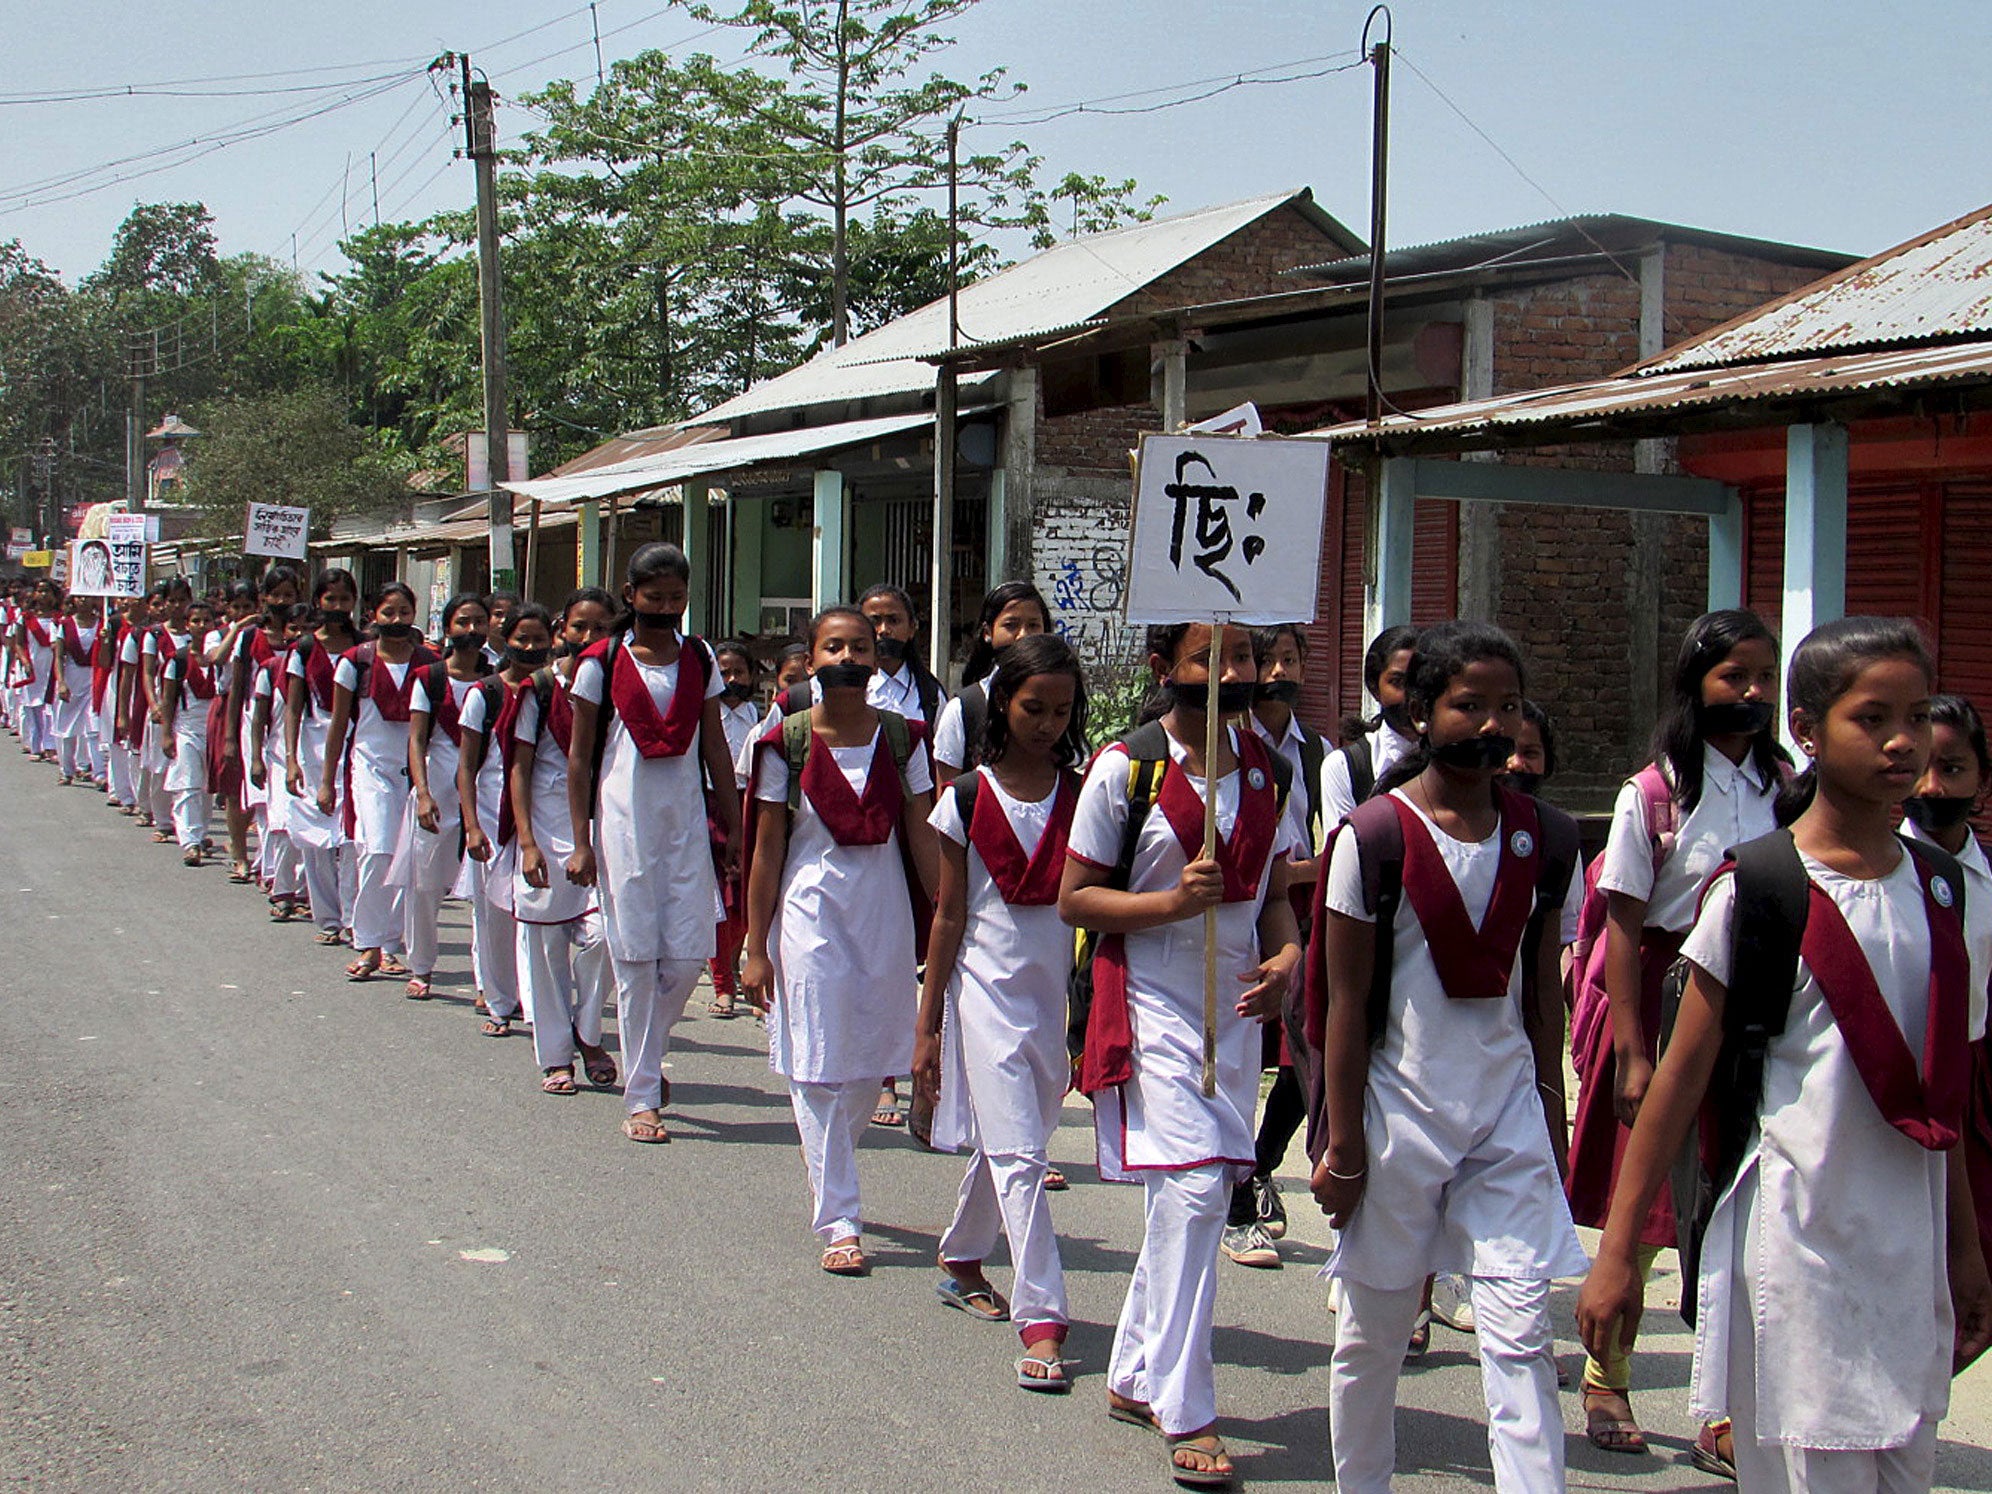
x=1145, y=1039
x=371, y=695
x=75, y=720
x=187, y=692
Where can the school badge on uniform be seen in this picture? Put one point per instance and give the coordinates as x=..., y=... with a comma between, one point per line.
x=1941, y=891
x=1522, y=843
x=1257, y=778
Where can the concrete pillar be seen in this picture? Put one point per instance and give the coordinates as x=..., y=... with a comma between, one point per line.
x=1725, y=557
x=1173, y=356
x=697, y=542
x=1387, y=592
x=588, y=545
x=826, y=567
x=1479, y=523
x=996, y=527
x=1645, y=575
x=1815, y=532
x=1016, y=495
x=749, y=522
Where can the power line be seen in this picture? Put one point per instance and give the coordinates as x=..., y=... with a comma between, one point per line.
x=1222, y=83
x=161, y=91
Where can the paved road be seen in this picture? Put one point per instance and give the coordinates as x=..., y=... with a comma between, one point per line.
x=261, y=1228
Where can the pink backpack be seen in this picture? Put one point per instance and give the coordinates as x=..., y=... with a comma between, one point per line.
x=1589, y=1004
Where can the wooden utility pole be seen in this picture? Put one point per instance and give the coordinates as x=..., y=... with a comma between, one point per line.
x=481, y=140
x=940, y=595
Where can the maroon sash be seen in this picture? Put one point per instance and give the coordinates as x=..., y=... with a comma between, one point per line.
x=79, y=652
x=1024, y=882
x=1242, y=857
x=666, y=733
x=200, y=676
x=851, y=820
x=318, y=675
x=390, y=699
x=1927, y=1106
x=559, y=723
x=447, y=713
x=501, y=737
x=1109, y=1057
x=1473, y=964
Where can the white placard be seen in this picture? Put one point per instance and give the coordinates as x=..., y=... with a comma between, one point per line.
x=91, y=570
x=272, y=529
x=1226, y=527
x=127, y=539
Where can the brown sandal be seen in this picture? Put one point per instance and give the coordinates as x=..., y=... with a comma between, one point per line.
x=1609, y=1432
x=558, y=1082
x=648, y=1132
x=845, y=1260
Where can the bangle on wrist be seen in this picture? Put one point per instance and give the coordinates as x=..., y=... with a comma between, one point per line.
x=1347, y=1177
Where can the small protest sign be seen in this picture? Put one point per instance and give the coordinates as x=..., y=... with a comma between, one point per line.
x=126, y=544
x=1227, y=527
x=276, y=530
x=38, y=560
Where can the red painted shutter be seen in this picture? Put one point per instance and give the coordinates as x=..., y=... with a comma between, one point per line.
x=1884, y=555
x=1964, y=641
x=1763, y=554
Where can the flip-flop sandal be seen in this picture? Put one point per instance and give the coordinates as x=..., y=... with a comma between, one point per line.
x=497, y=1027
x=650, y=1133
x=1614, y=1434
x=722, y=1009
x=192, y=858
x=417, y=988
x=393, y=965
x=161, y=838
x=281, y=913
x=1051, y=1378
x=327, y=937
x=239, y=874
x=479, y=1007
x=1706, y=1454
x=1421, y=1337
x=985, y=1303
x=601, y=1070
x=1135, y=1415
x=1055, y=1181
x=1211, y=1446
x=888, y=1115
x=363, y=970
x=558, y=1082
x=845, y=1260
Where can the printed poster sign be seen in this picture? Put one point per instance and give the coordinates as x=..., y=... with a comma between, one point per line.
x=276, y=530
x=38, y=560
x=125, y=555
x=1227, y=527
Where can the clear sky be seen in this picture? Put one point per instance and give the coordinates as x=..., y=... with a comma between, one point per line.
x=1831, y=123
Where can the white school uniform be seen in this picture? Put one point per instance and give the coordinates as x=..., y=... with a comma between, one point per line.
x=1338, y=795
x=72, y=720
x=1004, y=1069
x=1187, y=1150
x=898, y=693
x=427, y=864
x=488, y=884
x=740, y=718
x=1734, y=807
x=379, y=786
x=951, y=746
x=842, y=942
x=37, y=716
x=654, y=871
x=186, y=777
x=1461, y=1178
x=1824, y=1324
x=560, y=901
x=280, y=866
x=310, y=827
x=1161, y=1119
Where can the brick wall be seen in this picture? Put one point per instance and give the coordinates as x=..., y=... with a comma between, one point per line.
x=1248, y=263
x=1707, y=287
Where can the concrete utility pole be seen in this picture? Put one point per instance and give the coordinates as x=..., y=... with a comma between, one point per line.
x=481, y=140
x=136, y=366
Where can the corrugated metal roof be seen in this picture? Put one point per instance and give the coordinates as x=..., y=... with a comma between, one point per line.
x=722, y=456
x=1068, y=283
x=1936, y=286
x=635, y=446
x=1576, y=405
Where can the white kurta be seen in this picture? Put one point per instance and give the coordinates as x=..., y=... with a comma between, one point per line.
x=1160, y=1118
x=1004, y=1069
x=426, y=860
x=842, y=941
x=1338, y=790
x=1461, y=1174
x=379, y=761
x=492, y=878
x=310, y=826
x=151, y=756
x=187, y=769
x=1733, y=808
x=276, y=795
x=1825, y=1280
x=560, y=901
x=740, y=718
x=654, y=854
x=72, y=715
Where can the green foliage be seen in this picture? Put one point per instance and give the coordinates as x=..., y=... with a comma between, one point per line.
x=290, y=446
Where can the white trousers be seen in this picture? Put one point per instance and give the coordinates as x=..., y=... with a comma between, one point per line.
x=1162, y=1354
x=278, y=854
x=1007, y=1193
x=377, y=915
x=322, y=884
x=35, y=733
x=494, y=954
x=650, y=998
x=157, y=798
x=77, y=754
x=831, y=1118
x=123, y=775
x=563, y=980
x=192, y=808
x=421, y=912
x=1517, y=1377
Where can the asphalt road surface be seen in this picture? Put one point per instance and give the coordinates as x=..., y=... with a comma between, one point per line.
x=261, y=1228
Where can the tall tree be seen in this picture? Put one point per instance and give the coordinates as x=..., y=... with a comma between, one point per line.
x=293, y=446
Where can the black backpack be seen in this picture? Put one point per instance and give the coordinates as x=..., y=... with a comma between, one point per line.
x=1147, y=748
x=1772, y=894
x=1362, y=768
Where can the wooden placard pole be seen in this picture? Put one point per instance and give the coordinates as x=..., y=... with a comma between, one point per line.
x=1212, y=720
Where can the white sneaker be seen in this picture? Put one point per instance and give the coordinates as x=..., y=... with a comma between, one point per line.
x=1249, y=1245
x=1452, y=1303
